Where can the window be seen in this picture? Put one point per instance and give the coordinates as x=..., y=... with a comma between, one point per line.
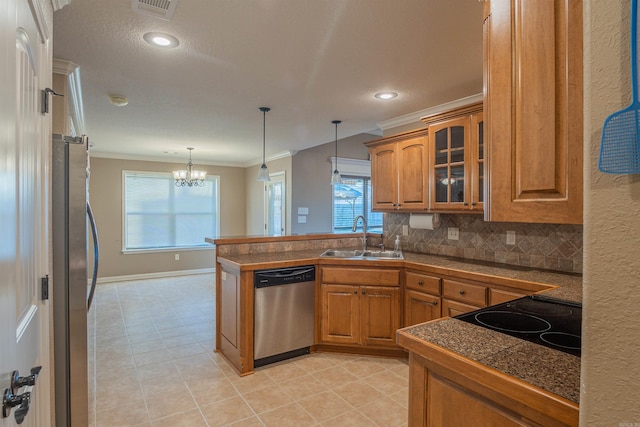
x=159, y=215
x=353, y=198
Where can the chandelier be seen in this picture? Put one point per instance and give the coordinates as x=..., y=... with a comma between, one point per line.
x=189, y=177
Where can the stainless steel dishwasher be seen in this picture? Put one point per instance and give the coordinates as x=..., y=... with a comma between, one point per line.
x=283, y=313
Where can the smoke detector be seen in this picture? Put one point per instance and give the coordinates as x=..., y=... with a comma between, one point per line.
x=118, y=100
x=162, y=9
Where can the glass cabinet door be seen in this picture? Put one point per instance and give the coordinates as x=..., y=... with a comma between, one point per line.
x=477, y=174
x=449, y=149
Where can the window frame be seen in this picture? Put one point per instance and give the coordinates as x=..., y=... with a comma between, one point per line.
x=357, y=169
x=215, y=179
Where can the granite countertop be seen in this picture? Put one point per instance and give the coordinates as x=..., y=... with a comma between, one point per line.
x=569, y=285
x=543, y=367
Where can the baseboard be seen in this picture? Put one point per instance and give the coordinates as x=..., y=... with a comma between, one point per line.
x=155, y=275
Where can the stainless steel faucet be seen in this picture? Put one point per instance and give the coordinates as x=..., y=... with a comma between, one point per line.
x=364, y=230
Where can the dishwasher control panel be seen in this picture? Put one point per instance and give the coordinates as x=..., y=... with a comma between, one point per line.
x=283, y=276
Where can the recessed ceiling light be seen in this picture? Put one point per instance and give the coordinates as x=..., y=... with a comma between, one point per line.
x=161, y=40
x=385, y=95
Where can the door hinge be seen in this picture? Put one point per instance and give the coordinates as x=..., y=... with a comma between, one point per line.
x=44, y=96
x=44, y=283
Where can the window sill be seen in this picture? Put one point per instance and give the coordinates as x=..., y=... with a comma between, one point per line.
x=206, y=247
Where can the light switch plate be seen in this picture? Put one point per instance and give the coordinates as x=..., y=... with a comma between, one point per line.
x=302, y=219
x=511, y=237
x=453, y=233
x=303, y=211
x=405, y=230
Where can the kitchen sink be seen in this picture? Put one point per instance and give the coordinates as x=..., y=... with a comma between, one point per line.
x=359, y=254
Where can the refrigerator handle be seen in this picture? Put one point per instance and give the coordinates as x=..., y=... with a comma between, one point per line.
x=96, y=255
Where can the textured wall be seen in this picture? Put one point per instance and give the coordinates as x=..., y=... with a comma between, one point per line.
x=611, y=327
x=549, y=246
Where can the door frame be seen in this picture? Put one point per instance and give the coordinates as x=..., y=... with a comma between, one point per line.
x=276, y=177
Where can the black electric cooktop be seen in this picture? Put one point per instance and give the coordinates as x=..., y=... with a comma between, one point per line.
x=541, y=320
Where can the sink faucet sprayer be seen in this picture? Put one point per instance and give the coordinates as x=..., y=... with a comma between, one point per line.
x=364, y=230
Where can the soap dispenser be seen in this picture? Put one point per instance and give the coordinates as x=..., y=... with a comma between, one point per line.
x=396, y=246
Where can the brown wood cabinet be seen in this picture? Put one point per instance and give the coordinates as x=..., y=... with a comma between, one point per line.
x=533, y=110
x=498, y=296
x=399, y=172
x=456, y=160
x=422, y=300
x=420, y=307
x=234, y=317
x=459, y=297
x=359, y=306
x=448, y=390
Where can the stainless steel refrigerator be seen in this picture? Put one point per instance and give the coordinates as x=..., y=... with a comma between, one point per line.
x=73, y=229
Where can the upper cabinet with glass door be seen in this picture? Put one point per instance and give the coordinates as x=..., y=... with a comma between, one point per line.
x=456, y=148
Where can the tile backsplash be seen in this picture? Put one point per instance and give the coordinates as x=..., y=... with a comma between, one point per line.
x=549, y=246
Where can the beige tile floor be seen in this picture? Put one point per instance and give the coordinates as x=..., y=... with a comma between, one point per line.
x=155, y=366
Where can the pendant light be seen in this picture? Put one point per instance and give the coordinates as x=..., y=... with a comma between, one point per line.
x=336, y=178
x=263, y=173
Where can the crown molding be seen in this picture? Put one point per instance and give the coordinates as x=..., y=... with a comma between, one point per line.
x=416, y=116
x=62, y=66
x=281, y=155
x=59, y=4
x=159, y=159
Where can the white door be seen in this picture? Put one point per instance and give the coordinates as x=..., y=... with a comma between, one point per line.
x=24, y=154
x=274, y=206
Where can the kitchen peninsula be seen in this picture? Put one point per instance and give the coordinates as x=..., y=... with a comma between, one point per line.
x=450, y=285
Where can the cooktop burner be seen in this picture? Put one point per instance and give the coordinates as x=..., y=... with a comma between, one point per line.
x=513, y=322
x=534, y=318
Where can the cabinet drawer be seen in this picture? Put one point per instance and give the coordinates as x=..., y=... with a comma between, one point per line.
x=452, y=308
x=465, y=292
x=498, y=296
x=360, y=276
x=422, y=282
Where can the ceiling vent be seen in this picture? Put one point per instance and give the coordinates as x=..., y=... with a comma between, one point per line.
x=162, y=9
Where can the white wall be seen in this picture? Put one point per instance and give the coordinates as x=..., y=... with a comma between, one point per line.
x=611, y=311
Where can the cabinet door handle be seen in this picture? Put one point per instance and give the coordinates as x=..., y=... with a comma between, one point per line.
x=473, y=203
x=462, y=292
x=420, y=282
x=355, y=292
x=466, y=203
x=363, y=292
x=434, y=303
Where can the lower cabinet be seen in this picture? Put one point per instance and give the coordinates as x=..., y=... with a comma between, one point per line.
x=446, y=390
x=420, y=307
x=451, y=308
x=367, y=313
x=234, y=317
x=363, y=315
x=460, y=297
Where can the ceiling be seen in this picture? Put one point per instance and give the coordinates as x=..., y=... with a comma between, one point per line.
x=311, y=61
